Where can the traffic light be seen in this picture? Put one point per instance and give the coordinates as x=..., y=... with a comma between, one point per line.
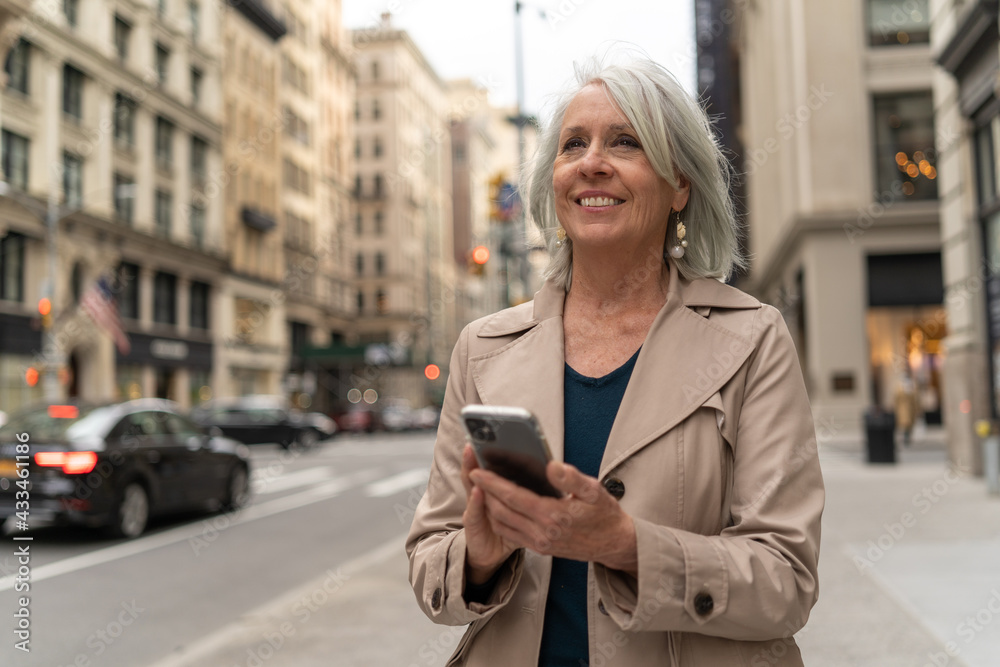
x=432, y=371
x=31, y=376
x=45, y=311
x=478, y=257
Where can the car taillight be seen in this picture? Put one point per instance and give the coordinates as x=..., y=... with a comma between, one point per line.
x=72, y=463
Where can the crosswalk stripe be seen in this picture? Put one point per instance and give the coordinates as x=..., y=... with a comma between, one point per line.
x=264, y=486
x=397, y=483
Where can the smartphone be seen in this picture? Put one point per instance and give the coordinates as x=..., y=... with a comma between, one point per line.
x=510, y=442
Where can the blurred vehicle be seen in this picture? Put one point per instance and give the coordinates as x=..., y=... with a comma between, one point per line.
x=398, y=415
x=115, y=466
x=3, y=417
x=427, y=417
x=358, y=419
x=256, y=420
x=325, y=425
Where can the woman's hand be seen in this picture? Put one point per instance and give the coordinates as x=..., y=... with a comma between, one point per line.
x=485, y=551
x=587, y=524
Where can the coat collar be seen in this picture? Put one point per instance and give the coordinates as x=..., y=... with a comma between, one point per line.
x=684, y=360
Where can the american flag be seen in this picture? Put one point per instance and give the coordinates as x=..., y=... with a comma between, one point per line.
x=100, y=304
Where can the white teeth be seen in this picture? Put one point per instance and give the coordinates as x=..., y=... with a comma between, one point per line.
x=600, y=201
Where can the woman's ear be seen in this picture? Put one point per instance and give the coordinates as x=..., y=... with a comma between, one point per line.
x=682, y=194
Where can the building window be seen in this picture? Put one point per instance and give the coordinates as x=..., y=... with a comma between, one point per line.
x=12, y=267
x=76, y=282
x=199, y=305
x=164, y=143
x=987, y=151
x=71, y=9
x=296, y=178
x=124, y=198
x=898, y=22
x=194, y=18
x=376, y=110
x=196, y=224
x=380, y=264
x=361, y=301
x=357, y=148
x=72, y=180
x=196, y=78
x=378, y=185
x=382, y=302
x=357, y=110
x=123, y=33
x=296, y=128
x=128, y=295
x=72, y=92
x=359, y=226
x=162, y=212
x=377, y=149
x=165, y=298
x=18, y=67
x=359, y=264
x=124, y=121
x=379, y=224
x=375, y=71
x=15, y=159
x=904, y=144
x=199, y=159
x=162, y=63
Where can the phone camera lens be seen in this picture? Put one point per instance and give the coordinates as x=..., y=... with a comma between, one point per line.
x=481, y=431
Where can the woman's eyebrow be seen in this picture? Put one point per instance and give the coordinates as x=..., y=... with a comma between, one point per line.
x=618, y=127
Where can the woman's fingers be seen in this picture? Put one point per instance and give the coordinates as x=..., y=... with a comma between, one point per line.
x=469, y=464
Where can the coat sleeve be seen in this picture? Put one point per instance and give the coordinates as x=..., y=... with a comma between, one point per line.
x=436, y=542
x=757, y=579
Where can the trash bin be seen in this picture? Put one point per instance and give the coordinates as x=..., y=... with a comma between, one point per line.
x=880, y=436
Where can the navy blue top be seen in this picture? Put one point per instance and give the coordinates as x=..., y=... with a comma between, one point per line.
x=590, y=408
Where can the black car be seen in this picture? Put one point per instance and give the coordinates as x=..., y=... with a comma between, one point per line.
x=115, y=466
x=256, y=420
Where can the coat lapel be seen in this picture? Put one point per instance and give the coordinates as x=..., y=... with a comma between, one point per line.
x=527, y=372
x=684, y=360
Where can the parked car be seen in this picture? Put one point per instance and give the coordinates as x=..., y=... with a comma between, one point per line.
x=255, y=420
x=358, y=419
x=398, y=415
x=325, y=425
x=115, y=466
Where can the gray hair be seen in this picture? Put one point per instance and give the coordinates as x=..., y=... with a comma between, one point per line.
x=678, y=141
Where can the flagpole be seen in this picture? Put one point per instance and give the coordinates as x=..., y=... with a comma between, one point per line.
x=49, y=346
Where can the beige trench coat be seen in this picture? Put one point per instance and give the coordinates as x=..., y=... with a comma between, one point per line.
x=715, y=450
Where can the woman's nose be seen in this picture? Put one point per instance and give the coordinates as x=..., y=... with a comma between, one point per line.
x=595, y=162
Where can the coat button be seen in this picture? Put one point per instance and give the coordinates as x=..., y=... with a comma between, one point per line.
x=615, y=487
x=703, y=604
x=436, y=599
x=601, y=608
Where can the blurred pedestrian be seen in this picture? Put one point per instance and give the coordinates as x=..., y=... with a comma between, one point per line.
x=688, y=532
x=906, y=406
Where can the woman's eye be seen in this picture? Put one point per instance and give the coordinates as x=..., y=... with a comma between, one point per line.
x=627, y=141
x=572, y=143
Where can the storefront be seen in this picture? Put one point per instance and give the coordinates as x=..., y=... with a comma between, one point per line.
x=172, y=368
x=906, y=322
x=20, y=347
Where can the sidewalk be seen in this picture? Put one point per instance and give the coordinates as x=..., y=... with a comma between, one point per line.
x=910, y=576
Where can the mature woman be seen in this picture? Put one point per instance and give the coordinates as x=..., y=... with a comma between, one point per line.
x=688, y=532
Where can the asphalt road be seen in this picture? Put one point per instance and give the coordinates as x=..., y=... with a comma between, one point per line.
x=95, y=602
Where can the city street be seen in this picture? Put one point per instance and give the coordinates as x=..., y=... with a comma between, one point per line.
x=96, y=602
x=313, y=574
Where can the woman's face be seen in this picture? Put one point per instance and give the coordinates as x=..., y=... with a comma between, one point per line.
x=607, y=193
